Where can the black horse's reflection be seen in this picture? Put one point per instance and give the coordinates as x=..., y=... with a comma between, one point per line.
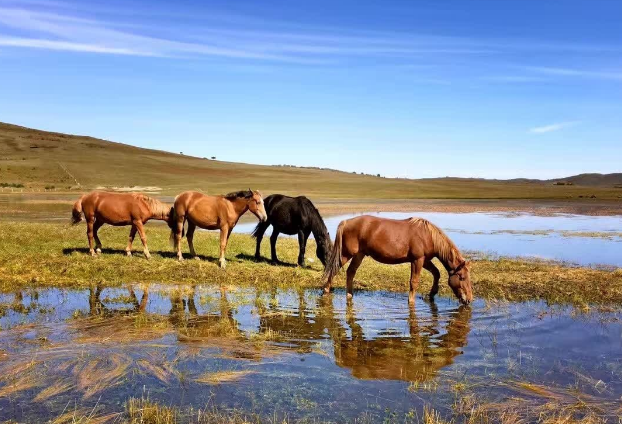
x=415, y=356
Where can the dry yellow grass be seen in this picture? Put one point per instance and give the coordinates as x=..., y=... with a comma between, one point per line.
x=221, y=377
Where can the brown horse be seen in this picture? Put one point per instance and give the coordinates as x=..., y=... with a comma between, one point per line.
x=211, y=213
x=118, y=209
x=391, y=241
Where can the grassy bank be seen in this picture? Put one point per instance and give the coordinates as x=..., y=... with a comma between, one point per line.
x=55, y=255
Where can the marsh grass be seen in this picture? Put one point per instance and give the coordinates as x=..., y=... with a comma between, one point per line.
x=221, y=377
x=54, y=255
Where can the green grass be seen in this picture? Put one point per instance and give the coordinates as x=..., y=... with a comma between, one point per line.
x=38, y=159
x=54, y=255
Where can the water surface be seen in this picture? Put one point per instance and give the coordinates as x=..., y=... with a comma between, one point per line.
x=294, y=352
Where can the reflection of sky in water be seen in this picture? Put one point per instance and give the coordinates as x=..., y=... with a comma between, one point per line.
x=461, y=226
x=323, y=354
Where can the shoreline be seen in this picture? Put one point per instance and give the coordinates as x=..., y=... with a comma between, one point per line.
x=54, y=255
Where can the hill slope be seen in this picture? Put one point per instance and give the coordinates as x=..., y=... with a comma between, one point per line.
x=38, y=158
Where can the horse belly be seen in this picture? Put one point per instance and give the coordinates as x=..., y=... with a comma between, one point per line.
x=387, y=246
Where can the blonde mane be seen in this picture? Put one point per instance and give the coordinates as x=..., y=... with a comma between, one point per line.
x=158, y=209
x=445, y=248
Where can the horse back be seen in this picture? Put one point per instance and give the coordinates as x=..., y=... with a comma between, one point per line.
x=386, y=240
x=115, y=208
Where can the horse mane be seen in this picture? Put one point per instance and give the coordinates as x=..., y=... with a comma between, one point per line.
x=444, y=247
x=157, y=208
x=318, y=227
x=242, y=194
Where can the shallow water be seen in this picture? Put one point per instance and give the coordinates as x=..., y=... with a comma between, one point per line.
x=295, y=352
x=507, y=234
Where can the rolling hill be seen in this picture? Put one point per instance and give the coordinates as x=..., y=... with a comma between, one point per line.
x=37, y=159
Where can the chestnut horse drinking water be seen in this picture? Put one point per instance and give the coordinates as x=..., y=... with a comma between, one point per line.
x=118, y=209
x=211, y=213
x=391, y=241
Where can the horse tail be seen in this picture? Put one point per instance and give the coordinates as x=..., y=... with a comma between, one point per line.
x=260, y=228
x=333, y=265
x=76, y=213
x=172, y=224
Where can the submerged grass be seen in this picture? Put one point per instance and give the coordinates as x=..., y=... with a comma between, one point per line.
x=55, y=255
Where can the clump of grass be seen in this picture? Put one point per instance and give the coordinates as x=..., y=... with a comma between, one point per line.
x=221, y=377
x=53, y=390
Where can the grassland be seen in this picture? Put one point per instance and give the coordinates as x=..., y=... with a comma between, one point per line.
x=41, y=160
x=45, y=254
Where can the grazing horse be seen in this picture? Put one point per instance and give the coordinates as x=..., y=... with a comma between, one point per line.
x=211, y=213
x=294, y=215
x=118, y=209
x=391, y=241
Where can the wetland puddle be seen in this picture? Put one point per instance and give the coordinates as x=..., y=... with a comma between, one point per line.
x=296, y=353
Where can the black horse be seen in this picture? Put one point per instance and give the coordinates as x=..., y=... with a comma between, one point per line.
x=293, y=215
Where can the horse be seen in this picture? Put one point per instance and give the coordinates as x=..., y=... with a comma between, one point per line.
x=211, y=213
x=118, y=209
x=390, y=241
x=293, y=215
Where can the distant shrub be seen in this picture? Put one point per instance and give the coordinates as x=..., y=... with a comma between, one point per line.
x=16, y=185
x=50, y=187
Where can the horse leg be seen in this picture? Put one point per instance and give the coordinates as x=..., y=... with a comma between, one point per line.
x=178, y=230
x=415, y=275
x=98, y=244
x=128, y=249
x=224, y=236
x=437, y=276
x=273, y=237
x=354, y=265
x=89, y=234
x=261, y=229
x=143, y=237
x=190, y=238
x=329, y=281
x=302, y=243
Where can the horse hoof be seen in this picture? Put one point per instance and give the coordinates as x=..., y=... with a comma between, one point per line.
x=196, y=258
x=223, y=264
x=128, y=253
x=98, y=250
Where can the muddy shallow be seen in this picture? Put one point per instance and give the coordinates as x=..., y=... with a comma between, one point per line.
x=296, y=352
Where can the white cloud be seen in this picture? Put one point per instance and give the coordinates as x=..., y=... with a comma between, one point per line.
x=553, y=127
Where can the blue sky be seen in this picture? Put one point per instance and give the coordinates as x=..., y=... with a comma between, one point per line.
x=478, y=88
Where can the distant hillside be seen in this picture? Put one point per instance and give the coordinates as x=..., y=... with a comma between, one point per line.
x=593, y=180
x=37, y=159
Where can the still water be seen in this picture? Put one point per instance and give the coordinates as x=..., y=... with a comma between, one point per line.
x=295, y=352
x=559, y=237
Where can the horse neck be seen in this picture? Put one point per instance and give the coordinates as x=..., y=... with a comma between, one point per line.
x=451, y=263
x=318, y=228
x=240, y=206
x=158, y=210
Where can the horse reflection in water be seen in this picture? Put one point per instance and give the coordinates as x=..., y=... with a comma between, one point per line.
x=416, y=356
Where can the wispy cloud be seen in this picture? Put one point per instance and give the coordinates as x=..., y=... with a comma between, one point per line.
x=58, y=30
x=553, y=127
x=82, y=27
x=571, y=72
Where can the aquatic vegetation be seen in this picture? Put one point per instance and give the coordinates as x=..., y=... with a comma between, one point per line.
x=220, y=377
